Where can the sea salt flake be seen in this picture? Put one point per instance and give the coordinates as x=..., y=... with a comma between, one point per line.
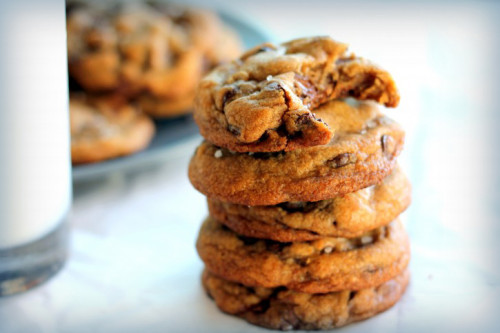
x=366, y=240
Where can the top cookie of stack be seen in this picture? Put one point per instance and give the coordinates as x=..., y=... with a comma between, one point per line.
x=266, y=100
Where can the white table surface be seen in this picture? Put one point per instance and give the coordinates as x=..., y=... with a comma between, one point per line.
x=133, y=266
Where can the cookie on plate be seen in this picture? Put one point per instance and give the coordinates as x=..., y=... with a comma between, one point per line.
x=362, y=153
x=349, y=215
x=320, y=266
x=284, y=309
x=266, y=100
x=105, y=128
x=153, y=52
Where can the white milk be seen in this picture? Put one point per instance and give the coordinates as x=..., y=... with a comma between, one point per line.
x=35, y=178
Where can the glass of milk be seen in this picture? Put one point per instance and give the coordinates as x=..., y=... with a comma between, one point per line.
x=35, y=174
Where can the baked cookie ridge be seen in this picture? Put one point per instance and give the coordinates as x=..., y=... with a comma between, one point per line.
x=362, y=153
x=325, y=265
x=349, y=215
x=283, y=309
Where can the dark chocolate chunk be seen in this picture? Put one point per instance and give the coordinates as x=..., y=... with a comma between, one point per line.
x=342, y=160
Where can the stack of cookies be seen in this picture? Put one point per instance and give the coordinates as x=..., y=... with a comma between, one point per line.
x=145, y=58
x=304, y=193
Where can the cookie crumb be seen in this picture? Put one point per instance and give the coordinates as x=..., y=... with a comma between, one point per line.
x=328, y=249
x=218, y=153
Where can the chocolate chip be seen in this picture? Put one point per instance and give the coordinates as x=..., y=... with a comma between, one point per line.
x=263, y=49
x=261, y=307
x=298, y=206
x=297, y=126
x=383, y=142
x=304, y=119
x=332, y=82
x=248, y=240
x=387, y=143
x=273, y=86
x=264, y=137
x=223, y=226
x=266, y=156
x=73, y=6
x=262, y=156
x=310, y=95
x=234, y=130
x=228, y=96
x=94, y=40
x=250, y=290
x=335, y=223
x=293, y=206
x=342, y=160
x=303, y=262
x=274, y=247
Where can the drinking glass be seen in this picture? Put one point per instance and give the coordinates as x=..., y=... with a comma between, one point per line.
x=35, y=169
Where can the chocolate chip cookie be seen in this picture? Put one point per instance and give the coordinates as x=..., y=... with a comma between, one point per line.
x=284, y=309
x=266, y=100
x=104, y=128
x=321, y=266
x=349, y=215
x=154, y=53
x=362, y=153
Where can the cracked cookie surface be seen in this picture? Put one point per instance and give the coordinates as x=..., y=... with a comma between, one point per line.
x=266, y=100
x=349, y=215
x=284, y=309
x=106, y=128
x=325, y=265
x=362, y=153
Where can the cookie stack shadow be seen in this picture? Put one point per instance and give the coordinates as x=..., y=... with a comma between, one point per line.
x=303, y=229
